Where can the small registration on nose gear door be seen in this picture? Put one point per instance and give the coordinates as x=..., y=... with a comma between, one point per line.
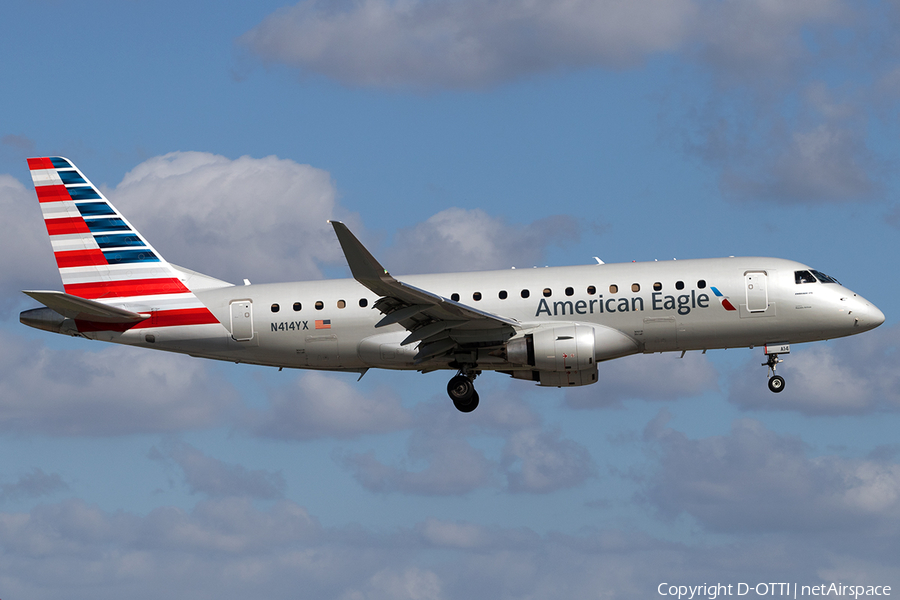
x=757, y=295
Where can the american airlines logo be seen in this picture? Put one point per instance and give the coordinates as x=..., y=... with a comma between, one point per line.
x=725, y=303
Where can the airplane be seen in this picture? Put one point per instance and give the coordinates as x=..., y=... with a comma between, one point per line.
x=551, y=326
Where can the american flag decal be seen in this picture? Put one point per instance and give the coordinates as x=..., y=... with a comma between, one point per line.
x=325, y=324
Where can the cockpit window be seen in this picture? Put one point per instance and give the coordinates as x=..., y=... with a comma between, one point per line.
x=804, y=277
x=825, y=278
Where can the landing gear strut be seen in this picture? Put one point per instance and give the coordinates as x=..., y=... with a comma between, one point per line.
x=461, y=390
x=776, y=382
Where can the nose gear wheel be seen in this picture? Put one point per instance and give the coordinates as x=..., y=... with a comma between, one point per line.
x=776, y=382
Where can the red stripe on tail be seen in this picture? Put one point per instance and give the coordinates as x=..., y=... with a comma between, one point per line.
x=35, y=164
x=52, y=193
x=126, y=288
x=66, y=225
x=163, y=318
x=80, y=258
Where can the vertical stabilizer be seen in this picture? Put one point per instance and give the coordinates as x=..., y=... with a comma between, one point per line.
x=101, y=257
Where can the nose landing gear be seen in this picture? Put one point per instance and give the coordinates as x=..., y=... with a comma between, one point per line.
x=461, y=390
x=776, y=382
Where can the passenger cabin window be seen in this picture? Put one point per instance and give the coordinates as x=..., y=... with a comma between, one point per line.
x=701, y=284
x=363, y=303
x=804, y=277
x=454, y=297
x=275, y=308
x=591, y=290
x=657, y=286
x=635, y=287
x=502, y=294
x=570, y=291
x=297, y=306
x=613, y=289
x=525, y=293
x=547, y=292
x=319, y=305
x=476, y=296
x=341, y=304
x=679, y=285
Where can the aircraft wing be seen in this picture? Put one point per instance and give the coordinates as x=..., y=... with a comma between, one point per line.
x=440, y=325
x=78, y=308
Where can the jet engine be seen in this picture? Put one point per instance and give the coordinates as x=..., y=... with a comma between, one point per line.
x=566, y=354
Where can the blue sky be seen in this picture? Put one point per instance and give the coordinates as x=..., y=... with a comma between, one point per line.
x=452, y=136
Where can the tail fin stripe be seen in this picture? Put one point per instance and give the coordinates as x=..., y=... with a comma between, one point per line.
x=119, y=240
x=79, y=258
x=78, y=241
x=94, y=209
x=66, y=226
x=39, y=164
x=125, y=288
x=71, y=178
x=129, y=256
x=199, y=316
x=104, y=225
x=52, y=193
x=84, y=193
x=115, y=272
x=60, y=163
x=184, y=316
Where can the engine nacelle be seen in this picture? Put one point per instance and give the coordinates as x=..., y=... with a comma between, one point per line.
x=566, y=354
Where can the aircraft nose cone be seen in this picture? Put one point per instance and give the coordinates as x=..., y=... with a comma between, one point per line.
x=877, y=317
x=868, y=316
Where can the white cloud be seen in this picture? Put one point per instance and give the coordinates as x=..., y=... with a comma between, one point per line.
x=755, y=480
x=206, y=475
x=230, y=548
x=464, y=44
x=441, y=458
x=26, y=258
x=447, y=534
x=33, y=484
x=647, y=377
x=452, y=467
x=542, y=461
x=761, y=40
x=19, y=143
x=412, y=583
x=113, y=391
x=319, y=405
x=748, y=109
x=467, y=44
x=457, y=239
x=263, y=219
x=825, y=163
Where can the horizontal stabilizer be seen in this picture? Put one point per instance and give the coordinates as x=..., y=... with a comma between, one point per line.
x=74, y=307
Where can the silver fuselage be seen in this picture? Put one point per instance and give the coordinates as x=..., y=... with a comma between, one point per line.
x=657, y=306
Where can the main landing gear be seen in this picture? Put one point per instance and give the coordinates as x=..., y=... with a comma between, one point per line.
x=776, y=382
x=461, y=390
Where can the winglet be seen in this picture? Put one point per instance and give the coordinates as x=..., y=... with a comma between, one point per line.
x=365, y=268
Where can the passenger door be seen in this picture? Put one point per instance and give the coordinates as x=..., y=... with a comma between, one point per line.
x=757, y=293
